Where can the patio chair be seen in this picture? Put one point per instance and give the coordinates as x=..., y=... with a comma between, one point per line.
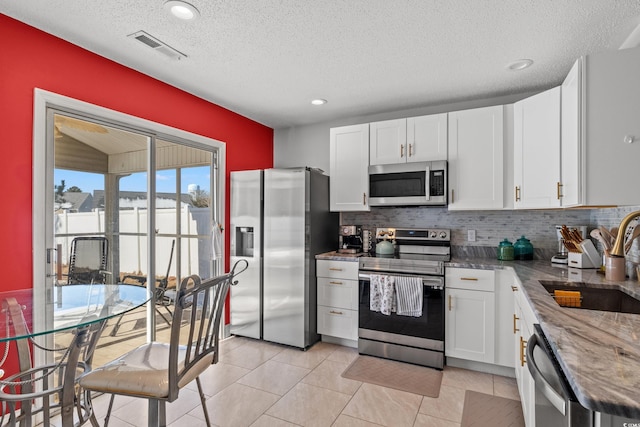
x=157, y=371
x=88, y=260
x=164, y=297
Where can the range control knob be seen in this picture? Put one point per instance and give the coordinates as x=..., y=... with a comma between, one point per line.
x=433, y=235
x=443, y=234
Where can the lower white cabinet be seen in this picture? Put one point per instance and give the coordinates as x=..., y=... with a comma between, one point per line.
x=523, y=321
x=505, y=280
x=470, y=314
x=337, y=298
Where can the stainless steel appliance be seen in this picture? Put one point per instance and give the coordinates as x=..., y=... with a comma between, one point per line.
x=408, y=184
x=420, y=340
x=280, y=220
x=350, y=240
x=555, y=402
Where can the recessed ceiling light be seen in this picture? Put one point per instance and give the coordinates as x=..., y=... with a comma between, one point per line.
x=520, y=64
x=319, y=101
x=182, y=10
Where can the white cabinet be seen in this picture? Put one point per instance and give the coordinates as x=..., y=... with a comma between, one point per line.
x=476, y=162
x=337, y=298
x=388, y=142
x=415, y=139
x=536, y=159
x=523, y=320
x=601, y=129
x=349, y=168
x=470, y=315
x=505, y=280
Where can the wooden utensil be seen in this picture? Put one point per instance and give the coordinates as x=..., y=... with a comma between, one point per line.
x=596, y=234
x=630, y=239
x=607, y=235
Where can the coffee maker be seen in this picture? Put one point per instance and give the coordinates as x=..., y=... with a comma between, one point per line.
x=350, y=239
x=562, y=257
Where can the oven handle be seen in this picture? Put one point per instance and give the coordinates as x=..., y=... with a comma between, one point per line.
x=436, y=282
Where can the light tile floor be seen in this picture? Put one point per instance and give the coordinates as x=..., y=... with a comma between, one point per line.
x=263, y=384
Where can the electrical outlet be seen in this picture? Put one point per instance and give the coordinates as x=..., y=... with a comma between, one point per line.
x=471, y=235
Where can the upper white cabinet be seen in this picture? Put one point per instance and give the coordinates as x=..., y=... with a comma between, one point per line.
x=476, y=163
x=349, y=168
x=536, y=159
x=415, y=139
x=601, y=129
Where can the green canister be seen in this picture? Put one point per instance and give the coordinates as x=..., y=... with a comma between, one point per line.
x=505, y=251
x=523, y=249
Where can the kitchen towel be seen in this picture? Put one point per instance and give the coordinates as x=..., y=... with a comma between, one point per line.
x=216, y=241
x=409, y=294
x=382, y=294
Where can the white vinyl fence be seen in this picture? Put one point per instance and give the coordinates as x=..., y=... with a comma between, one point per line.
x=195, y=232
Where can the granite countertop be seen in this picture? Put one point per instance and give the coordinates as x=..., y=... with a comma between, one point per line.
x=599, y=351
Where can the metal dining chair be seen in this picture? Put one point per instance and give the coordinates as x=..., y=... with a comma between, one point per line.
x=157, y=371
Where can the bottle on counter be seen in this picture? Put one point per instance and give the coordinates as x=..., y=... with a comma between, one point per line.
x=505, y=251
x=523, y=249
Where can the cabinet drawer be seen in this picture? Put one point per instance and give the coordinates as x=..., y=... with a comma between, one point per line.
x=340, y=293
x=338, y=322
x=470, y=278
x=337, y=269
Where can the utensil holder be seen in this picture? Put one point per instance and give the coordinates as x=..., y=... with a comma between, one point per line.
x=588, y=258
x=614, y=268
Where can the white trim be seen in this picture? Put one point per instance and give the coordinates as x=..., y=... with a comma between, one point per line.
x=41, y=221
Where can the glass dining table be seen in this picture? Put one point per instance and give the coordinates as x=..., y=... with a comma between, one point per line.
x=83, y=311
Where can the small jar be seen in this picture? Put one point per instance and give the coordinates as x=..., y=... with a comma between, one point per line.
x=523, y=249
x=505, y=251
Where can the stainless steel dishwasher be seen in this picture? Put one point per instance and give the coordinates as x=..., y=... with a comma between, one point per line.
x=555, y=402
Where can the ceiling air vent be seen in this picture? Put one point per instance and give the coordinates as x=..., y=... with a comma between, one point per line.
x=158, y=45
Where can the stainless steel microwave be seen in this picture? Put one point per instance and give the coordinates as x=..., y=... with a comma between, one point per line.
x=408, y=184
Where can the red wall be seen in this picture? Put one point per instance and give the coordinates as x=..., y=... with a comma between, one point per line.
x=34, y=59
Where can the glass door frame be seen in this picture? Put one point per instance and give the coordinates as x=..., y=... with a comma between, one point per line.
x=42, y=186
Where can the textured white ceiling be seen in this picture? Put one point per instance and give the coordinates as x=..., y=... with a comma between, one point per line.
x=266, y=59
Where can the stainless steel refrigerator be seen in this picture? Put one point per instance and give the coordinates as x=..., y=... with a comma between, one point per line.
x=280, y=220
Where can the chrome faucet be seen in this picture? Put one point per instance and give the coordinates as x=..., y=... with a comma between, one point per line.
x=618, y=246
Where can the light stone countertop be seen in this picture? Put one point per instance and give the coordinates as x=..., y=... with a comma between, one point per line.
x=599, y=351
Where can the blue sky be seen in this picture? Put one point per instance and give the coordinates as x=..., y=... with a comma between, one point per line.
x=165, y=180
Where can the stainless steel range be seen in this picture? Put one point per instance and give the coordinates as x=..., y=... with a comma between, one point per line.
x=418, y=256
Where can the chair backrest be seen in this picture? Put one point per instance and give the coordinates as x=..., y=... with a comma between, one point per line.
x=88, y=260
x=196, y=324
x=164, y=282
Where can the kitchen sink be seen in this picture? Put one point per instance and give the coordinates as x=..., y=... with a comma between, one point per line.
x=597, y=298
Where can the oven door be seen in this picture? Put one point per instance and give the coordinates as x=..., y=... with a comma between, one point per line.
x=417, y=340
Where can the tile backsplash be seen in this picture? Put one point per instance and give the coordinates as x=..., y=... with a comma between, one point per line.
x=491, y=227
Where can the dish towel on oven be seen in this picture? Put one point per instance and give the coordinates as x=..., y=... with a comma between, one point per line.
x=382, y=294
x=409, y=292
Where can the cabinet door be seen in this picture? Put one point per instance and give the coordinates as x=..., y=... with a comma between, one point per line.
x=388, y=142
x=523, y=328
x=570, y=143
x=536, y=159
x=349, y=168
x=470, y=325
x=427, y=138
x=337, y=322
x=476, y=168
x=505, y=281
